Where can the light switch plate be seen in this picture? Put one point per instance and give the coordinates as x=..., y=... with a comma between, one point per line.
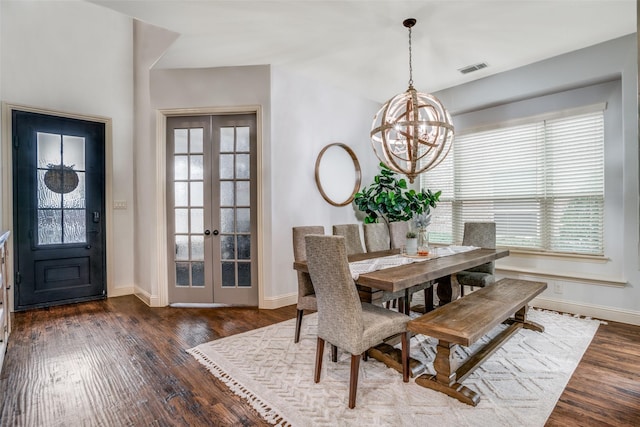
x=119, y=204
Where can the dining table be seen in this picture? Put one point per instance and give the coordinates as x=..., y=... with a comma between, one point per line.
x=431, y=268
x=436, y=269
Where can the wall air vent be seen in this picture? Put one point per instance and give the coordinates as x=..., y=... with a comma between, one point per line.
x=471, y=68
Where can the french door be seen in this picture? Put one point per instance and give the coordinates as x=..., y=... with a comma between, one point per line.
x=211, y=199
x=58, y=206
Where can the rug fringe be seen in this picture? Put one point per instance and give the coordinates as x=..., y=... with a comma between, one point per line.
x=577, y=316
x=264, y=410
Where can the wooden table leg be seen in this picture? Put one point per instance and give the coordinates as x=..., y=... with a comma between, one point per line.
x=446, y=291
x=445, y=379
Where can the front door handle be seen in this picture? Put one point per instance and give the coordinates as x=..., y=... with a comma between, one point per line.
x=216, y=232
x=207, y=232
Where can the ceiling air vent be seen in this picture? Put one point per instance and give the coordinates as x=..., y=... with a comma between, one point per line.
x=471, y=68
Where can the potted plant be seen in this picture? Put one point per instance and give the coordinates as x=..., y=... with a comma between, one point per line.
x=412, y=243
x=389, y=199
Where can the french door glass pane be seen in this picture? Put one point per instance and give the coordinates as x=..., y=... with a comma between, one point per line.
x=226, y=140
x=227, y=193
x=243, y=193
x=228, y=274
x=180, y=141
x=235, y=212
x=242, y=143
x=244, y=274
x=197, y=274
x=182, y=274
x=188, y=187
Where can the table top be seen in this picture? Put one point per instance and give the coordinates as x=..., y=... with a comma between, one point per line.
x=404, y=276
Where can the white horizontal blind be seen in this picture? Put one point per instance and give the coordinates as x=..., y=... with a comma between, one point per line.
x=541, y=182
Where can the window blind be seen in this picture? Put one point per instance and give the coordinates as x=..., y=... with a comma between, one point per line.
x=541, y=182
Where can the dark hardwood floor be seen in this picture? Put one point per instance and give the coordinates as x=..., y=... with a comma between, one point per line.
x=118, y=362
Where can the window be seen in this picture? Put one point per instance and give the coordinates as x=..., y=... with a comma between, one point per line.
x=541, y=181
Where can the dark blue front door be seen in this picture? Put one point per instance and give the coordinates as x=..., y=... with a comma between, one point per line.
x=58, y=199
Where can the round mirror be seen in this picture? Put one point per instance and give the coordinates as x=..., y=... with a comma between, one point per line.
x=336, y=167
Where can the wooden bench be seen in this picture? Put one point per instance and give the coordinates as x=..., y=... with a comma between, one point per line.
x=464, y=321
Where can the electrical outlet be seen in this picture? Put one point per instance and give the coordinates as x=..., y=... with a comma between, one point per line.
x=557, y=288
x=119, y=204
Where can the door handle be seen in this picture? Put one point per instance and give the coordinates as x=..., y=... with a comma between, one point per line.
x=96, y=216
x=207, y=232
x=215, y=232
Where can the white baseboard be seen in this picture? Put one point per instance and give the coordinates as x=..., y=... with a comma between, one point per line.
x=119, y=292
x=147, y=298
x=154, y=300
x=280, y=301
x=595, y=311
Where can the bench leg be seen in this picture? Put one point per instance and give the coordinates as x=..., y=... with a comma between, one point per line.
x=445, y=379
x=521, y=318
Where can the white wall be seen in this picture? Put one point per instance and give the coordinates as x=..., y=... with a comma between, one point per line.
x=149, y=43
x=482, y=101
x=76, y=57
x=306, y=116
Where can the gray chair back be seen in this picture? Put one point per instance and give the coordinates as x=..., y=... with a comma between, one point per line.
x=351, y=234
x=305, y=287
x=376, y=237
x=340, y=319
x=481, y=234
x=398, y=233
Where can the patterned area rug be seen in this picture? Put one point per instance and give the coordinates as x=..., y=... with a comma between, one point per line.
x=519, y=384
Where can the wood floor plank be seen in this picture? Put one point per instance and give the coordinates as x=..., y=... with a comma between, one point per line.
x=119, y=362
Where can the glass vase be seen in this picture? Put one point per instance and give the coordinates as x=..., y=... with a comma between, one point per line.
x=423, y=242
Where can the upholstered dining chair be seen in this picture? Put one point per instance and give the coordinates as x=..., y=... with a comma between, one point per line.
x=376, y=237
x=343, y=320
x=306, y=294
x=351, y=233
x=398, y=233
x=481, y=234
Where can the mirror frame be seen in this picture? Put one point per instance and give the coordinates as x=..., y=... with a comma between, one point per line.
x=356, y=166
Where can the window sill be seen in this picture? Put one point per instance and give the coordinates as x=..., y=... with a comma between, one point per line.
x=615, y=283
x=575, y=257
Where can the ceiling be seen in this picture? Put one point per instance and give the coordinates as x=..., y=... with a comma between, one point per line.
x=362, y=46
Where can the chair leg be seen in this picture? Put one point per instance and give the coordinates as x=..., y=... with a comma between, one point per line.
x=298, y=325
x=461, y=290
x=334, y=353
x=428, y=299
x=406, y=349
x=353, y=381
x=319, y=353
x=407, y=303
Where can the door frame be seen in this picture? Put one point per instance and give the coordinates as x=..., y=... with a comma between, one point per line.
x=161, y=189
x=6, y=152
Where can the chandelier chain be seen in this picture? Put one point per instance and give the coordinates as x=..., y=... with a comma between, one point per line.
x=410, y=65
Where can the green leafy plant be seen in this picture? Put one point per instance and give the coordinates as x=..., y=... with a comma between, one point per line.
x=411, y=235
x=388, y=198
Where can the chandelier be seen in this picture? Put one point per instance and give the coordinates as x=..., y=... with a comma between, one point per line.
x=412, y=132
